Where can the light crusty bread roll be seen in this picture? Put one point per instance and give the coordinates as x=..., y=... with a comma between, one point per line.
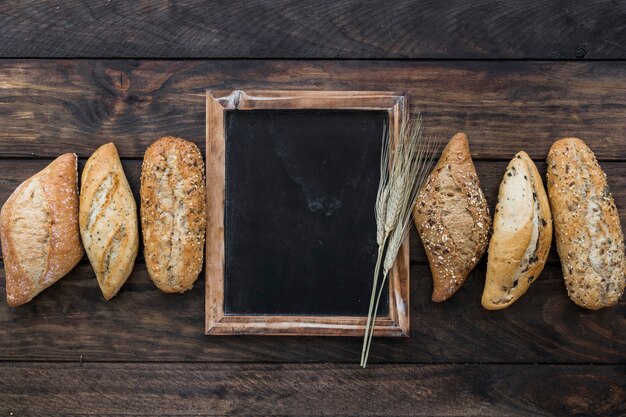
x=173, y=213
x=108, y=219
x=39, y=229
x=589, y=236
x=452, y=218
x=522, y=234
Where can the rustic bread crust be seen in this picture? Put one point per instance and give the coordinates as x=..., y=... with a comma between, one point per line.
x=108, y=219
x=51, y=246
x=452, y=218
x=589, y=236
x=173, y=213
x=522, y=235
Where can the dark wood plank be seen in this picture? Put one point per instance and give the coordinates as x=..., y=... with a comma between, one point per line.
x=315, y=29
x=52, y=107
x=71, y=319
x=490, y=173
x=311, y=390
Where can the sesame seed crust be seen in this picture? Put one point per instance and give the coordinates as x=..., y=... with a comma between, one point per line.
x=588, y=232
x=452, y=218
x=173, y=213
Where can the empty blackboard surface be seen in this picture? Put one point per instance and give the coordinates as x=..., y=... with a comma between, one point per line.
x=300, y=233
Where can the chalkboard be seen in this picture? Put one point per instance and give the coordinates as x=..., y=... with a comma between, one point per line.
x=300, y=232
x=292, y=179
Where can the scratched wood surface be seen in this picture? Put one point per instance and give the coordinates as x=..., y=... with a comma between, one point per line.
x=481, y=29
x=69, y=352
x=176, y=389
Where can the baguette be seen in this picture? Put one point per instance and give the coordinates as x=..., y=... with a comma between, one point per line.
x=589, y=236
x=452, y=218
x=108, y=219
x=173, y=200
x=522, y=234
x=39, y=230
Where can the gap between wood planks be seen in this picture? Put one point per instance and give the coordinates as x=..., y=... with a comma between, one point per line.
x=140, y=158
x=297, y=59
x=81, y=360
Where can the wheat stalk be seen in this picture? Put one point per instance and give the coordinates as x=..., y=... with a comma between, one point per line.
x=404, y=165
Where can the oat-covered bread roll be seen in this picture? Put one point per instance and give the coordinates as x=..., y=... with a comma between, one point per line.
x=522, y=234
x=108, y=219
x=452, y=218
x=589, y=236
x=173, y=213
x=39, y=228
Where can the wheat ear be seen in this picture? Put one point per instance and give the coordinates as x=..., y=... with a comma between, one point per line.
x=404, y=166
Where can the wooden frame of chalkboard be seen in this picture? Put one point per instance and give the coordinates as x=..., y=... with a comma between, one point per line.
x=396, y=320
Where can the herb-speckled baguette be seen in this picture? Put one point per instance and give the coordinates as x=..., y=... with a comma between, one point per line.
x=589, y=236
x=108, y=219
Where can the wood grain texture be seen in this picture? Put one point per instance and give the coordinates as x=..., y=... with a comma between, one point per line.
x=51, y=107
x=311, y=390
x=482, y=29
x=544, y=326
x=490, y=173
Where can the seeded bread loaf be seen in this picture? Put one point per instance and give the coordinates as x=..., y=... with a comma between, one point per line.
x=589, y=236
x=452, y=218
x=39, y=229
x=522, y=234
x=108, y=219
x=173, y=213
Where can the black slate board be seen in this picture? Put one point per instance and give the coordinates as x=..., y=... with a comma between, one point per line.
x=300, y=233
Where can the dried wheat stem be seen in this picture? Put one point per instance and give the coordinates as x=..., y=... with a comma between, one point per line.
x=403, y=167
x=371, y=332
x=371, y=317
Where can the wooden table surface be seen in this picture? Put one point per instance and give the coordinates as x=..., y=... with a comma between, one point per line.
x=511, y=75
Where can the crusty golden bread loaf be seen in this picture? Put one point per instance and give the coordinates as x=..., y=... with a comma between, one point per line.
x=452, y=218
x=522, y=234
x=39, y=229
x=589, y=236
x=108, y=219
x=173, y=200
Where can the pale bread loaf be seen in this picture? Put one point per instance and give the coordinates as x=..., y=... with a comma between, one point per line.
x=452, y=218
x=108, y=219
x=173, y=213
x=589, y=236
x=39, y=229
x=522, y=234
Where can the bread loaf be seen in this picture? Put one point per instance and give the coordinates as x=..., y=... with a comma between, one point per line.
x=589, y=236
x=173, y=213
x=522, y=234
x=108, y=219
x=452, y=218
x=39, y=230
